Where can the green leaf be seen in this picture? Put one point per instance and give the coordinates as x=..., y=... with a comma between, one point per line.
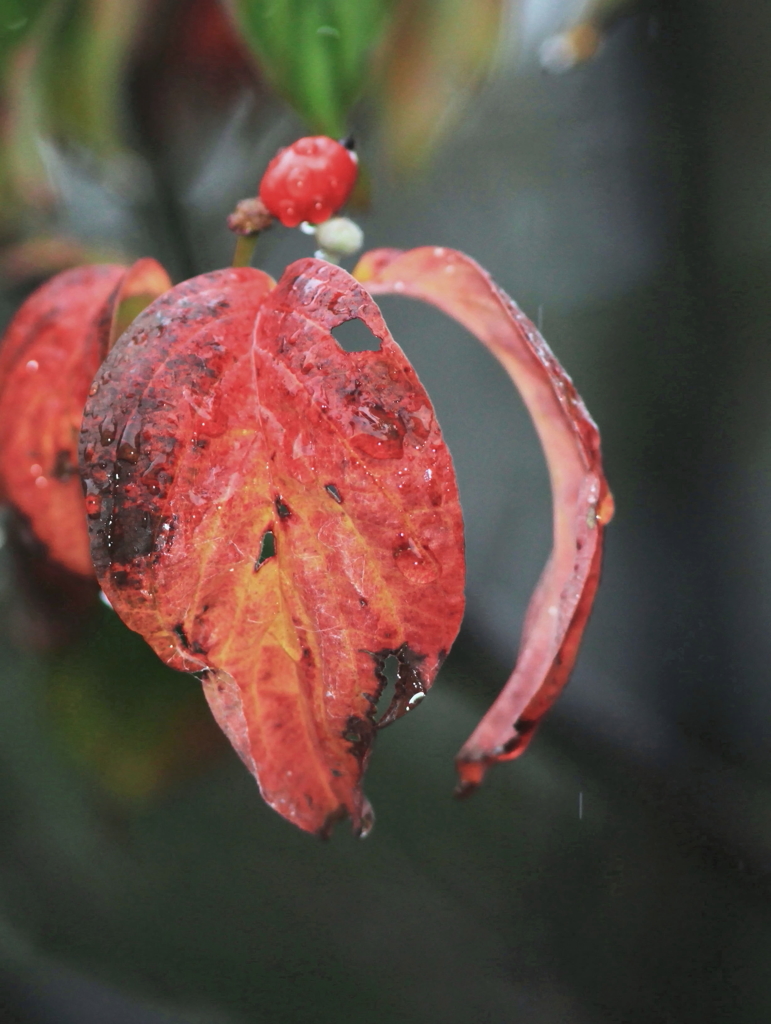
x=316, y=53
x=17, y=17
x=83, y=60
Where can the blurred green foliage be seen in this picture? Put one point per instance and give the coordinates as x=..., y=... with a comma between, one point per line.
x=17, y=17
x=66, y=71
x=316, y=53
x=83, y=50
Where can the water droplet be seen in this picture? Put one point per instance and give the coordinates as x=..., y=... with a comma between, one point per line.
x=606, y=509
x=93, y=389
x=382, y=433
x=93, y=504
x=107, y=431
x=416, y=563
x=128, y=453
x=306, y=147
x=419, y=431
x=438, y=251
x=378, y=448
x=35, y=469
x=427, y=475
x=367, y=819
x=41, y=482
x=398, y=286
x=32, y=366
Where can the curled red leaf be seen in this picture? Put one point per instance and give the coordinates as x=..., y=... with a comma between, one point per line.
x=583, y=505
x=48, y=357
x=279, y=514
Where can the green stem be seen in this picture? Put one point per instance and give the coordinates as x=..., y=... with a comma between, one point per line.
x=244, y=251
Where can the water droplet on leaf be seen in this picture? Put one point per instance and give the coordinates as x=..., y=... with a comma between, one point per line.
x=107, y=431
x=416, y=563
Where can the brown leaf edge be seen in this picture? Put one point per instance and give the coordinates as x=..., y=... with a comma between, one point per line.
x=582, y=503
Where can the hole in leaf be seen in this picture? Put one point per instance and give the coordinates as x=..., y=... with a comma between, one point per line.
x=267, y=549
x=355, y=336
x=390, y=670
x=333, y=492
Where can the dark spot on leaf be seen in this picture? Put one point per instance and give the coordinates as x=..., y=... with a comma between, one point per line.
x=523, y=727
x=282, y=508
x=64, y=465
x=132, y=530
x=363, y=602
x=179, y=629
x=333, y=492
x=359, y=732
x=267, y=549
x=354, y=336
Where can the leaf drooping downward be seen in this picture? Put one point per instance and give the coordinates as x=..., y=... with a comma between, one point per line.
x=560, y=606
x=279, y=514
x=48, y=358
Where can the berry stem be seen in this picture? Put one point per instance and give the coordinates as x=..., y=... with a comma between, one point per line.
x=242, y=255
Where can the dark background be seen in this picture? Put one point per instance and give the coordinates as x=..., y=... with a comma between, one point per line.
x=620, y=871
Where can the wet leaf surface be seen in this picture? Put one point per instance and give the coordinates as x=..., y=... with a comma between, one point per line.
x=583, y=505
x=280, y=515
x=48, y=357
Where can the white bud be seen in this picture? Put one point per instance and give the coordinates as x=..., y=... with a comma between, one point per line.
x=340, y=236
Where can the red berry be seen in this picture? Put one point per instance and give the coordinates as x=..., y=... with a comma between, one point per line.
x=309, y=180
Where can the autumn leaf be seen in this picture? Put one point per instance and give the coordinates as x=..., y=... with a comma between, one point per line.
x=583, y=505
x=48, y=357
x=279, y=514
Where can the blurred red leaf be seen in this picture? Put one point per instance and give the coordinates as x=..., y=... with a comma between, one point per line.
x=280, y=514
x=560, y=606
x=48, y=357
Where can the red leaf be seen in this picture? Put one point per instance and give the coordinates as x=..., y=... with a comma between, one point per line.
x=560, y=606
x=49, y=355
x=226, y=418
